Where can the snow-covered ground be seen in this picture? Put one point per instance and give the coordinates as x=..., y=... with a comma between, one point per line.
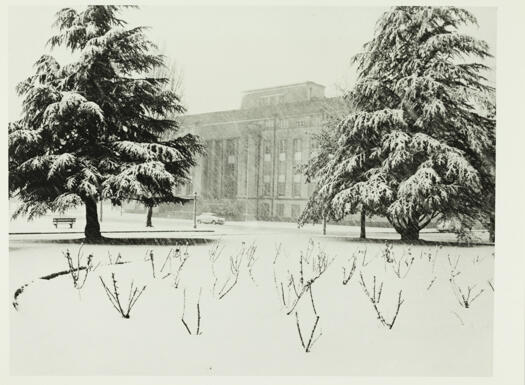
x=58, y=330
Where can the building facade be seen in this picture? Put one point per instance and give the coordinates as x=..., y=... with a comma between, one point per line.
x=252, y=166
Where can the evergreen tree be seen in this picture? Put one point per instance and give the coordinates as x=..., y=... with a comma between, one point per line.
x=319, y=207
x=421, y=141
x=173, y=74
x=97, y=127
x=318, y=170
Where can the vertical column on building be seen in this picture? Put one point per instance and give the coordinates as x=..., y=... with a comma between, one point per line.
x=258, y=155
x=275, y=160
x=243, y=175
x=290, y=162
x=241, y=166
x=220, y=163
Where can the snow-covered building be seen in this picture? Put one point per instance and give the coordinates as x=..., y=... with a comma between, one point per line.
x=253, y=153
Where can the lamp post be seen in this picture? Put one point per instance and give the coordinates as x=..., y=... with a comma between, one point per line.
x=195, y=209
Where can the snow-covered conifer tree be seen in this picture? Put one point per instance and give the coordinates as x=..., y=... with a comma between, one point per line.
x=97, y=126
x=319, y=207
x=421, y=141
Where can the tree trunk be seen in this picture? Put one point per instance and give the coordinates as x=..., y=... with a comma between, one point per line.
x=324, y=225
x=148, y=217
x=408, y=228
x=409, y=234
x=362, y=235
x=92, y=229
x=492, y=229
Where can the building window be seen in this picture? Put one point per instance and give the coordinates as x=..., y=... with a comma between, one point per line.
x=267, y=189
x=269, y=123
x=267, y=185
x=281, y=184
x=281, y=189
x=282, y=146
x=297, y=145
x=297, y=150
x=282, y=150
x=280, y=210
x=296, y=189
x=265, y=210
x=283, y=123
x=296, y=211
x=267, y=150
x=301, y=123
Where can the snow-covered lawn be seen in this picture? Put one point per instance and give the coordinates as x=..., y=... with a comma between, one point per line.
x=61, y=330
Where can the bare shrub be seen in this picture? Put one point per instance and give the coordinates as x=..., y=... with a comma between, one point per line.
x=17, y=294
x=302, y=282
x=235, y=268
x=363, y=253
x=374, y=296
x=311, y=340
x=465, y=296
x=198, y=328
x=214, y=254
x=431, y=282
x=168, y=262
x=402, y=264
x=76, y=269
x=150, y=257
x=251, y=259
x=182, y=258
x=312, y=264
x=453, y=267
x=431, y=256
x=477, y=259
x=353, y=264
x=114, y=296
x=388, y=252
x=116, y=261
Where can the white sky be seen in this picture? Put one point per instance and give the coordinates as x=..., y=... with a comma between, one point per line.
x=226, y=50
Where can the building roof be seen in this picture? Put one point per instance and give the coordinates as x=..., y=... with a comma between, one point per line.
x=282, y=86
x=315, y=105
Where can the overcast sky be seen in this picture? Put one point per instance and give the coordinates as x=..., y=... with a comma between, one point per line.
x=226, y=50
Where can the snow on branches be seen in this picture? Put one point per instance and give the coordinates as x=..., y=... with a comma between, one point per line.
x=419, y=142
x=100, y=124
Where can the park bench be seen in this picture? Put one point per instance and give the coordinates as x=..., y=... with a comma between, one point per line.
x=69, y=221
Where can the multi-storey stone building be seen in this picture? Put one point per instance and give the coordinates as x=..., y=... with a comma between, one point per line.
x=251, y=170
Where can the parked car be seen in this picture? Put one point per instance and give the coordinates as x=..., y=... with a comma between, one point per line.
x=210, y=218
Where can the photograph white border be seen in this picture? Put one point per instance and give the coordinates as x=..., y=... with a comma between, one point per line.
x=509, y=325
